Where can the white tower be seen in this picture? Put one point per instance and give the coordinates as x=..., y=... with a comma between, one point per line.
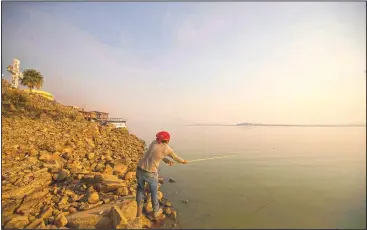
x=15, y=73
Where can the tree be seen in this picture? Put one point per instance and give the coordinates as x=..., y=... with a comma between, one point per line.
x=32, y=79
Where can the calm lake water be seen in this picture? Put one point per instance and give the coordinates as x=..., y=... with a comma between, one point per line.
x=284, y=177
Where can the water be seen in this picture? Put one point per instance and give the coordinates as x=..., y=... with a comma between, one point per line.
x=284, y=177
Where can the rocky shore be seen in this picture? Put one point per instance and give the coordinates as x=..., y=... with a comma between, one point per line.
x=60, y=171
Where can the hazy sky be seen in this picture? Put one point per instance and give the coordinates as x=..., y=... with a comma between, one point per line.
x=197, y=62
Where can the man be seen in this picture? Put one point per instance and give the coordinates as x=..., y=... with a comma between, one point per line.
x=147, y=170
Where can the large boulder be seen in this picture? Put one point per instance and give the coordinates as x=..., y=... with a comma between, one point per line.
x=97, y=217
x=118, y=219
x=120, y=168
x=93, y=197
x=42, y=178
x=129, y=209
x=130, y=175
x=17, y=221
x=32, y=202
x=60, y=220
x=124, y=191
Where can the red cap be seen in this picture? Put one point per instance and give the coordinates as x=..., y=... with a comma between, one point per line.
x=163, y=136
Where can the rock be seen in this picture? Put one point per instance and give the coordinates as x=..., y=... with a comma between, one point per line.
x=128, y=161
x=166, y=203
x=148, y=198
x=91, y=219
x=31, y=218
x=107, y=178
x=148, y=208
x=145, y=222
x=104, y=223
x=120, y=168
x=109, y=158
x=129, y=210
x=60, y=221
x=160, y=180
x=63, y=200
x=46, y=212
x=160, y=195
x=185, y=201
x=87, y=206
x=108, y=170
x=41, y=179
x=45, y=156
x=122, y=191
x=167, y=211
x=99, y=167
x=67, y=150
x=173, y=215
x=9, y=206
x=91, y=156
x=72, y=210
x=51, y=220
x=93, y=197
x=110, y=186
x=32, y=202
x=7, y=218
x=17, y=221
x=61, y=176
x=35, y=223
x=171, y=180
x=33, y=153
x=41, y=225
x=48, y=147
x=118, y=219
x=130, y=175
x=107, y=200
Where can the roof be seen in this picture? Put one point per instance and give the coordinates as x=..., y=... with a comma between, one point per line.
x=98, y=112
x=116, y=120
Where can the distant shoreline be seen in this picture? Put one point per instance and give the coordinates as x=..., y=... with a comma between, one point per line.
x=280, y=125
x=284, y=125
x=210, y=125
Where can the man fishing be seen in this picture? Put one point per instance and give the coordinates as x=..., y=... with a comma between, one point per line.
x=147, y=171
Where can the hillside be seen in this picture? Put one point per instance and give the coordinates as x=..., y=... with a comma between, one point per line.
x=58, y=168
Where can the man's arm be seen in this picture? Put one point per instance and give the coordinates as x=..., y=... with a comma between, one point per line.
x=165, y=160
x=171, y=154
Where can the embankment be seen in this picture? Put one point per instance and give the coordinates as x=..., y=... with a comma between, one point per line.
x=60, y=171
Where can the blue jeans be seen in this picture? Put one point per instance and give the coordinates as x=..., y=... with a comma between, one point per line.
x=143, y=176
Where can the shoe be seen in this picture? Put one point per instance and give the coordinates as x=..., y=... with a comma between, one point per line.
x=158, y=214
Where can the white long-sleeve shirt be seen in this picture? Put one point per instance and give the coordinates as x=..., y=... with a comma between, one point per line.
x=155, y=154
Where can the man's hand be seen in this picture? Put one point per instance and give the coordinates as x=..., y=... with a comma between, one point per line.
x=185, y=162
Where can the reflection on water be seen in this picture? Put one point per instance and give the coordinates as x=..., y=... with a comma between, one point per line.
x=284, y=177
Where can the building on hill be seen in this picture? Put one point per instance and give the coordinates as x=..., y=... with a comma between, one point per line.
x=93, y=115
x=101, y=116
x=89, y=116
x=117, y=122
x=75, y=107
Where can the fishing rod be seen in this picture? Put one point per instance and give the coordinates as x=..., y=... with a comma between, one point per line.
x=211, y=158
x=220, y=157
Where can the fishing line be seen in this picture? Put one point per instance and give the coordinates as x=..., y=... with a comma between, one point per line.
x=211, y=158
x=220, y=157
